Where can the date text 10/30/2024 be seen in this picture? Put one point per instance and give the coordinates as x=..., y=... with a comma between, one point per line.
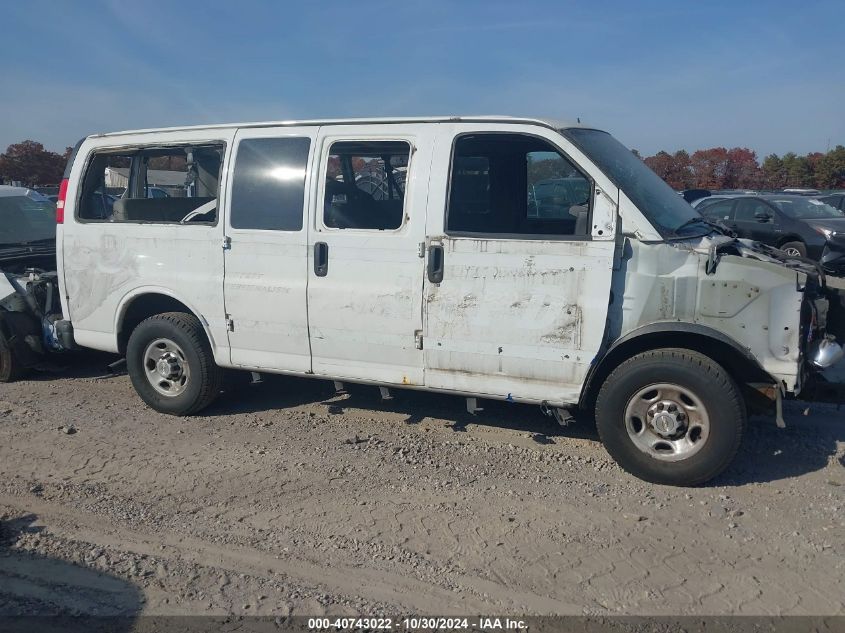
x=417, y=624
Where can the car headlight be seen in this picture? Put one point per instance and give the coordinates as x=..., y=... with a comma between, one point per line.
x=828, y=233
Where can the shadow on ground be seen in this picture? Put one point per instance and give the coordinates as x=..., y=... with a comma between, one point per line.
x=767, y=454
x=39, y=593
x=807, y=444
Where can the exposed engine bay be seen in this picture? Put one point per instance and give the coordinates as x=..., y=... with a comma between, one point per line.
x=823, y=312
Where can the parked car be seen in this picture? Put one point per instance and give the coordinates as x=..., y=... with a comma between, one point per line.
x=645, y=313
x=29, y=300
x=802, y=191
x=799, y=225
x=49, y=190
x=836, y=200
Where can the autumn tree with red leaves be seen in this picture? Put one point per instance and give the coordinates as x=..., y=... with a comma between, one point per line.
x=31, y=165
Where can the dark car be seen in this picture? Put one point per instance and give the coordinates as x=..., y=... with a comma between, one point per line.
x=836, y=200
x=799, y=225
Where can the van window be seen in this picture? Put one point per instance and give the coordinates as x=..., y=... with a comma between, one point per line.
x=516, y=185
x=719, y=210
x=365, y=184
x=161, y=185
x=268, y=186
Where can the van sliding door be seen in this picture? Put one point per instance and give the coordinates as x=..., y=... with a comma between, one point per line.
x=266, y=248
x=365, y=260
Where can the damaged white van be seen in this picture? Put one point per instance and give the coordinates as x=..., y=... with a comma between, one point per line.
x=493, y=257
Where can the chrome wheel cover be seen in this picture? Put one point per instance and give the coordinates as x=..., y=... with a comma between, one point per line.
x=166, y=367
x=667, y=422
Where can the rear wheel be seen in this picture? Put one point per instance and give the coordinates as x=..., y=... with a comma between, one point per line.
x=171, y=364
x=794, y=249
x=10, y=367
x=671, y=416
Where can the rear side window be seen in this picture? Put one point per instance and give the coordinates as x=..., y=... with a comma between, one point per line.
x=516, y=185
x=748, y=208
x=365, y=185
x=170, y=185
x=268, y=187
x=719, y=210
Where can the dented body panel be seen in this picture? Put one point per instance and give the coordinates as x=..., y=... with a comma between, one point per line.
x=754, y=303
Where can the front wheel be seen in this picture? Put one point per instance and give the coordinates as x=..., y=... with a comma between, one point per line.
x=794, y=249
x=671, y=416
x=171, y=364
x=10, y=367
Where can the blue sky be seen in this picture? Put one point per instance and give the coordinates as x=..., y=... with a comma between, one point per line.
x=657, y=74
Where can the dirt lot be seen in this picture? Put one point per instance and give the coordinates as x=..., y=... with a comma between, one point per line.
x=288, y=498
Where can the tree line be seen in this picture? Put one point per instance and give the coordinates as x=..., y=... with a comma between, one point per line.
x=738, y=168
x=715, y=168
x=31, y=165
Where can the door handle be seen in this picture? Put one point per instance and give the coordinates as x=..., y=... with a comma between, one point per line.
x=435, y=263
x=321, y=259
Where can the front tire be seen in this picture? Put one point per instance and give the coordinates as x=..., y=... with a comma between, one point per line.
x=10, y=367
x=794, y=249
x=171, y=365
x=671, y=416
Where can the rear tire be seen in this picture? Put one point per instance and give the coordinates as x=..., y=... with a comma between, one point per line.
x=10, y=367
x=671, y=416
x=171, y=365
x=794, y=249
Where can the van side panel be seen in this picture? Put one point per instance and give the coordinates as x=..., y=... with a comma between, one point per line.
x=517, y=316
x=106, y=265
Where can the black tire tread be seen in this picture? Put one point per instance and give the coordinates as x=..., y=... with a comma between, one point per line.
x=10, y=368
x=797, y=243
x=715, y=373
x=210, y=374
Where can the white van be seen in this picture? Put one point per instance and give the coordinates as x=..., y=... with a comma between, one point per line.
x=493, y=257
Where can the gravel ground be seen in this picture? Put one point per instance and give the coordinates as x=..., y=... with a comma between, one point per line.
x=287, y=498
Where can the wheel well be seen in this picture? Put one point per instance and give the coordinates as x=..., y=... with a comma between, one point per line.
x=143, y=307
x=741, y=368
x=789, y=238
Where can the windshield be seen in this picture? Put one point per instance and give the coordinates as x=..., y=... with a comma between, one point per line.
x=806, y=208
x=669, y=212
x=26, y=219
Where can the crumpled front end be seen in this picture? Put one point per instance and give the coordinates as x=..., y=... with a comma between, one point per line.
x=776, y=311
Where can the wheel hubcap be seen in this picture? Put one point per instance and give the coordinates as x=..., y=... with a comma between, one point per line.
x=167, y=369
x=793, y=252
x=667, y=422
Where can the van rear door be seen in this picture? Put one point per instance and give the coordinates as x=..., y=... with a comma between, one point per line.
x=265, y=245
x=519, y=270
x=364, y=259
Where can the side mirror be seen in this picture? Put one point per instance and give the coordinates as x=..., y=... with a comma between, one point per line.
x=763, y=216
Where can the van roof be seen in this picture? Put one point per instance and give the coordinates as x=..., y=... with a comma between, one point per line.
x=544, y=122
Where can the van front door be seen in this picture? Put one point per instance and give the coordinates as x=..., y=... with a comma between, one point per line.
x=365, y=262
x=519, y=271
x=266, y=248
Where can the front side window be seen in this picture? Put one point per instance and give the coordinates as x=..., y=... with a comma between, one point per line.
x=515, y=184
x=171, y=185
x=268, y=186
x=365, y=185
